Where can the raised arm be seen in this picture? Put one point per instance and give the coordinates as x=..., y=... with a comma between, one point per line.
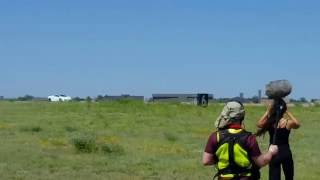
x=293, y=122
x=262, y=121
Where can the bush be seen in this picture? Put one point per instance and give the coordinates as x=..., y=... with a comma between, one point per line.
x=36, y=129
x=84, y=143
x=25, y=98
x=31, y=129
x=112, y=148
x=70, y=129
x=170, y=137
x=78, y=99
x=88, y=99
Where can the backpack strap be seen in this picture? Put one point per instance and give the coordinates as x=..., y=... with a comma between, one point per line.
x=226, y=137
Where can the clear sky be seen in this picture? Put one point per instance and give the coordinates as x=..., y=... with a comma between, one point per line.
x=141, y=47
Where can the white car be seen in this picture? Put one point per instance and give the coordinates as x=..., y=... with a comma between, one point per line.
x=60, y=97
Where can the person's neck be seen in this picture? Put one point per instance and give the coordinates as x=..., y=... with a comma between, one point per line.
x=235, y=126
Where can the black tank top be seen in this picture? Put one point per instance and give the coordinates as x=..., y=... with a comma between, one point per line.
x=282, y=136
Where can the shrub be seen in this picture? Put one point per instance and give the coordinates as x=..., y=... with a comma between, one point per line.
x=84, y=143
x=26, y=98
x=112, y=148
x=70, y=129
x=31, y=129
x=36, y=129
x=170, y=137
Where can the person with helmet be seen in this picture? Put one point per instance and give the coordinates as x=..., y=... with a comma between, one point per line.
x=269, y=122
x=233, y=150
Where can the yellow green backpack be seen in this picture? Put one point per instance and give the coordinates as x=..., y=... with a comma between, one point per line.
x=232, y=153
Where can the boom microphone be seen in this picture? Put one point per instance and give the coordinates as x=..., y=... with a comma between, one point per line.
x=278, y=89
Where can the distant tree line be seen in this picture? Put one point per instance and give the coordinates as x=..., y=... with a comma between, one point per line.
x=88, y=98
x=25, y=98
x=254, y=99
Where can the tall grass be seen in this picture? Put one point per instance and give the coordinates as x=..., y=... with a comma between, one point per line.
x=127, y=140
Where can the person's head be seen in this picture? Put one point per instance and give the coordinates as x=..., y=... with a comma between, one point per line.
x=276, y=106
x=232, y=113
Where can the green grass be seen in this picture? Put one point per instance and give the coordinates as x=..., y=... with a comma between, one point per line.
x=128, y=140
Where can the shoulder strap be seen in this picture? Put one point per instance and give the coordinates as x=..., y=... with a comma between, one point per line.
x=242, y=140
x=232, y=139
x=224, y=136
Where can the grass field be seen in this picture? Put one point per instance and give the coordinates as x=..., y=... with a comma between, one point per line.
x=128, y=140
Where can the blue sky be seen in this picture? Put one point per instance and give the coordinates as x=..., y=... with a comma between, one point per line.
x=141, y=47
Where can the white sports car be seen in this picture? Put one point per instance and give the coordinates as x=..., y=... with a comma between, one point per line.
x=60, y=97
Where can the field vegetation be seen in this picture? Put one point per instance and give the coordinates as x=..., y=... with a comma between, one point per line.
x=128, y=140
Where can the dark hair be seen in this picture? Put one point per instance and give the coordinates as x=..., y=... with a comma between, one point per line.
x=277, y=104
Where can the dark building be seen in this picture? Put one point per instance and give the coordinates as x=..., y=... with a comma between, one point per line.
x=316, y=101
x=241, y=96
x=199, y=99
x=122, y=97
x=259, y=95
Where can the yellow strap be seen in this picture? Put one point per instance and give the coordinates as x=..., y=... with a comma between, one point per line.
x=234, y=131
x=232, y=175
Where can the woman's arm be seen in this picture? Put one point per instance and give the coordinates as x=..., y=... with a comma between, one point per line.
x=263, y=120
x=293, y=122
